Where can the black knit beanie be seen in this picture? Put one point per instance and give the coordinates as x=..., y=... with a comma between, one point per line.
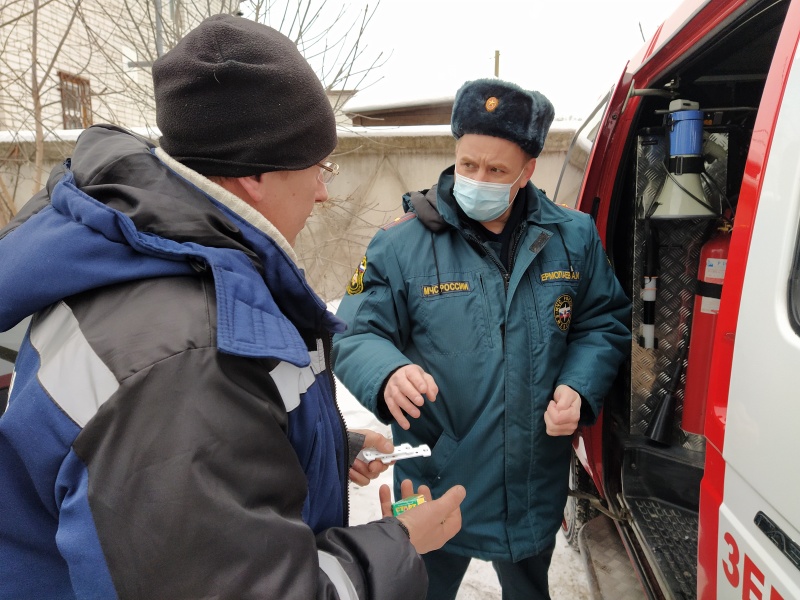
x=236, y=98
x=505, y=110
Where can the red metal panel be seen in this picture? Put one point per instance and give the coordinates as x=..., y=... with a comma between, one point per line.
x=763, y=130
x=712, y=488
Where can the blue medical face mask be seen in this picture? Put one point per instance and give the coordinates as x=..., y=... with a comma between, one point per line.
x=481, y=200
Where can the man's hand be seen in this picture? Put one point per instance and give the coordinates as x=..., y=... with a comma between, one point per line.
x=361, y=473
x=431, y=524
x=563, y=412
x=404, y=393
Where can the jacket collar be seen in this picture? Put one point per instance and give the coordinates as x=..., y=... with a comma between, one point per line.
x=251, y=320
x=229, y=200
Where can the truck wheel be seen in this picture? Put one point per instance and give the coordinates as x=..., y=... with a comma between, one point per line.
x=577, y=511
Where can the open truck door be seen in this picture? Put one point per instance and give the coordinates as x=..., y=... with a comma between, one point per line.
x=694, y=182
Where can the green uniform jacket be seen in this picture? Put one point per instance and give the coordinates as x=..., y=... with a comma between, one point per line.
x=429, y=293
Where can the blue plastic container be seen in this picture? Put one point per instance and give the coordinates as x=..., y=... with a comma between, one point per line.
x=686, y=133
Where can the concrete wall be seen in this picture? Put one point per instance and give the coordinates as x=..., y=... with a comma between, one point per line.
x=17, y=169
x=378, y=165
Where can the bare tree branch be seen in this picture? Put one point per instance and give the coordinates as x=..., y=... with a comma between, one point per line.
x=22, y=15
x=57, y=52
x=37, y=99
x=112, y=43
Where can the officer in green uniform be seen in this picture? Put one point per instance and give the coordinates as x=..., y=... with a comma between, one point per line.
x=487, y=323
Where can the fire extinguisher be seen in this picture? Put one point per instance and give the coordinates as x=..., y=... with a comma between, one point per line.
x=710, y=276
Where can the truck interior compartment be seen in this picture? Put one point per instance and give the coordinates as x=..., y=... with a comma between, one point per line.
x=653, y=479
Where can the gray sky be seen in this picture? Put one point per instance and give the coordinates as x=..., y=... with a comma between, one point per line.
x=570, y=50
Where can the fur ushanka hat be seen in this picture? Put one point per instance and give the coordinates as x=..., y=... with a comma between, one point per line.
x=502, y=109
x=236, y=98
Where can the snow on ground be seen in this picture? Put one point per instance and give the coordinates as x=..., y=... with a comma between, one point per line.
x=567, y=575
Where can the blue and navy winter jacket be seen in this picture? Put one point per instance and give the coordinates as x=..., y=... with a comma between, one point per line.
x=171, y=429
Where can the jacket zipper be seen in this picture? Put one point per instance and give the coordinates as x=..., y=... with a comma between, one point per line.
x=503, y=273
x=517, y=237
x=506, y=275
x=326, y=350
x=487, y=316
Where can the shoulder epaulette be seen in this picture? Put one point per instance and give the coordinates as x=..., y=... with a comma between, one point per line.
x=398, y=220
x=566, y=206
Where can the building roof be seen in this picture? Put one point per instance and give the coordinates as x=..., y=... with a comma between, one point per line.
x=424, y=111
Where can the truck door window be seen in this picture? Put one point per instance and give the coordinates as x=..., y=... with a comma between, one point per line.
x=577, y=158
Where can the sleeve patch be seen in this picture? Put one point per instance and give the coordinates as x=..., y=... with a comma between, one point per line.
x=356, y=285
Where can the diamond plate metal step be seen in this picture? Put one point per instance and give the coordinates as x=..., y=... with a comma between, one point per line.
x=609, y=570
x=671, y=536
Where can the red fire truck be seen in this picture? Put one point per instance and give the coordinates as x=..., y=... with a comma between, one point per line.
x=687, y=487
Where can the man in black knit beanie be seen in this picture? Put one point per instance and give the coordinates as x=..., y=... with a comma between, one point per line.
x=188, y=443
x=235, y=97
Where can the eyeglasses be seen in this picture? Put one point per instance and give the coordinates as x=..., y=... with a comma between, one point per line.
x=328, y=170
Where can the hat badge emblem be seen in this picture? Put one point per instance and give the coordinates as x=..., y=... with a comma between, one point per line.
x=492, y=103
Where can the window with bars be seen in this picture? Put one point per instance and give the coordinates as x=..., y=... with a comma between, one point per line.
x=76, y=101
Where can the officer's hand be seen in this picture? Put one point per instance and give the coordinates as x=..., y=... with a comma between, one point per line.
x=431, y=524
x=563, y=412
x=361, y=473
x=404, y=392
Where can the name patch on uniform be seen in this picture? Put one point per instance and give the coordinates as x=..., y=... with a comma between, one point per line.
x=445, y=288
x=356, y=285
x=560, y=276
x=562, y=311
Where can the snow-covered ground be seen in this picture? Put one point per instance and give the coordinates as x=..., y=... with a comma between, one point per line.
x=567, y=576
